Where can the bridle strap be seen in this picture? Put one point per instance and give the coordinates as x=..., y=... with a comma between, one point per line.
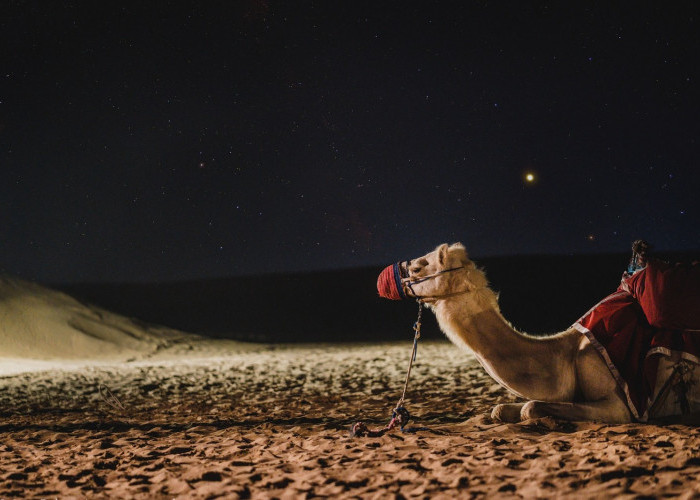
x=433, y=298
x=430, y=276
x=409, y=284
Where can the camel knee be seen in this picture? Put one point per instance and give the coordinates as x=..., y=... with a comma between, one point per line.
x=506, y=412
x=532, y=409
x=497, y=413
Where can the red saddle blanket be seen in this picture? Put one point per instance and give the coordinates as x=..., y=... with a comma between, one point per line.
x=654, y=313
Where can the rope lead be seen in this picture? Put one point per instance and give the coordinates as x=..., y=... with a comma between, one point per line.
x=400, y=415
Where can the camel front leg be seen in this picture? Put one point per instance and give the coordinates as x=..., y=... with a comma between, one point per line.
x=608, y=411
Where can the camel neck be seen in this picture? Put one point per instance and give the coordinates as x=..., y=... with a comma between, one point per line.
x=531, y=367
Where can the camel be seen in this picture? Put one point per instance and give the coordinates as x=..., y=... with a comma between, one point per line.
x=561, y=375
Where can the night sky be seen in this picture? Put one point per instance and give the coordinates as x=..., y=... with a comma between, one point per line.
x=164, y=141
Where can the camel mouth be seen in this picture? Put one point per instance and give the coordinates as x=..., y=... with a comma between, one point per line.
x=390, y=281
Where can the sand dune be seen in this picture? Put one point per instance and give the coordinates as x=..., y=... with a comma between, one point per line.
x=40, y=327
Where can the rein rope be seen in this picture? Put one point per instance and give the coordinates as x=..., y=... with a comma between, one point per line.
x=400, y=415
x=416, y=336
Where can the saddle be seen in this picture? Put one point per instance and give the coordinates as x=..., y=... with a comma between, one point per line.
x=648, y=332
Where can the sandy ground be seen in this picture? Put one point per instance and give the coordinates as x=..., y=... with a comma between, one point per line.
x=209, y=419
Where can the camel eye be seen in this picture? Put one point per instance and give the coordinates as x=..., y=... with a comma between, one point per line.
x=418, y=266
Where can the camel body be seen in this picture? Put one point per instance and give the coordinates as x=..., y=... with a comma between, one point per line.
x=561, y=375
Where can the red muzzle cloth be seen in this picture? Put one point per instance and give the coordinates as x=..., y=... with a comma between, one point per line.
x=389, y=283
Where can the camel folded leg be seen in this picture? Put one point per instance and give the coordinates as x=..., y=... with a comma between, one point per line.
x=507, y=412
x=607, y=410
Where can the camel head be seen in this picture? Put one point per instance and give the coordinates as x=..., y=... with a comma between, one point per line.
x=440, y=273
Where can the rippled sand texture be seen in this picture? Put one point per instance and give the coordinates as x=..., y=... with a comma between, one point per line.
x=222, y=419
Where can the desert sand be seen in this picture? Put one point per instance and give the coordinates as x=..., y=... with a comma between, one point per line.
x=215, y=418
x=176, y=416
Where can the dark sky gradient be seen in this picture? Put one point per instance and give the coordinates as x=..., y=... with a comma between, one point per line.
x=143, y=142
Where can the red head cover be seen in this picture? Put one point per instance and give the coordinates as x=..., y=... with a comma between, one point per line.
x=389, y=283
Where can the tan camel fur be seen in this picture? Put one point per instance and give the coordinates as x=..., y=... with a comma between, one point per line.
x=561, y=375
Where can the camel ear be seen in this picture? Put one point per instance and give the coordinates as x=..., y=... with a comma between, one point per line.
x=442, y=254
x=461, y=252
